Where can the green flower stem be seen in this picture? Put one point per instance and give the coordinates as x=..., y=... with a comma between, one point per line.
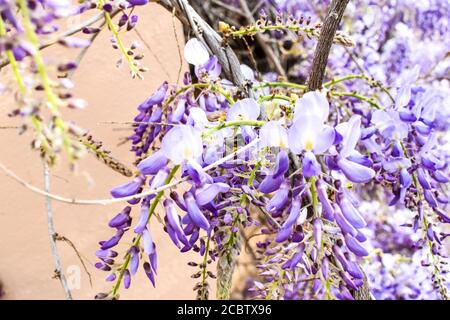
x=236, y=123
x=314, y=199
x=253, y=174
x=52, y=98
x=136, y=242
x=344, y=78
x=32, y=37
x=134, y=69
x=361, y=97
x=273, y=97
x=13, y=61
x=252, y=30
x=370, y=81
x=283, y=84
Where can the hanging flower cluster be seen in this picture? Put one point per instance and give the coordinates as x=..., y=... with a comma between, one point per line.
x=301, y=178
x=293, y=168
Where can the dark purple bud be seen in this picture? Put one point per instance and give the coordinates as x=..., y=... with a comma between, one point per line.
x=281, y=165
x=111, y=277
x=445, y=218
x=149, y=246
x=123, y=20
x=405, y=178
x=90, y=30
x=132, y=22
x=156, y=98
x=340, y=256
x=137, y=2
x=354, y=270
x=310, y=166
x=143, y=217
x=104, y=254
x=270, y=184
x=174, y=220
x=126, y=279
x=343, y=224
x=153, y=163
x=108, y=7
x=209, y=192
x=119, y=220
x=354, y=246
x=283, y=234
x=423, y=178
x=351, y=214
x=298, y=236
x=430, y=233
x=178, y=200
x=429, y=197
x=294, y=213
x=113, y=241
x=195, y=213
x=67, y=66
x=348, y=281
x=327, y=209
x=280, y=199
x=102, y=266
x=128, y=189
x=149, y=273
x=134, y=260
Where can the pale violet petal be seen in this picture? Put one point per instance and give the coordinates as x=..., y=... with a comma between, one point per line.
x=195, y=52
x=247, y=109
x=197, y=117
x=355, y=172
x=247, y=72
x=182, y=143
x=273, y=134
x=304, y=133
x=351, y=136
x=324, y=140
x=312, y=104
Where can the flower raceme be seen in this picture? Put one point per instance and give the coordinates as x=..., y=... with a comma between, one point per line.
x=188, y=142
x=301, y=173
x=315, y=155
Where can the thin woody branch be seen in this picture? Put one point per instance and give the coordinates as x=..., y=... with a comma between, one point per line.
x=325, y=42
x=211, y=39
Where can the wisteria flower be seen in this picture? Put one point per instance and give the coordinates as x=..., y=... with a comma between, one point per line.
x=182, y=144
x=309, y=134
x=196, y=54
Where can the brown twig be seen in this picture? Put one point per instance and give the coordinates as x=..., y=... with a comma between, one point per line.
x=273, y=59
x=147, y=45
x=325, y=42
x=72, y=245
x=180, y=56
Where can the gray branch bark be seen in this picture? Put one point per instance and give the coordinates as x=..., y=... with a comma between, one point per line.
x=325, y=42
x=52, y=234
x=211, y=39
